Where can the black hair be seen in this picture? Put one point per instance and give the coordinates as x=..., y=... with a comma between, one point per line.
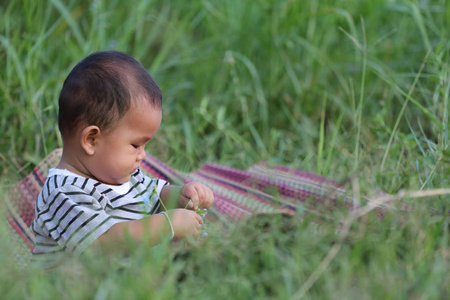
x=99, y=91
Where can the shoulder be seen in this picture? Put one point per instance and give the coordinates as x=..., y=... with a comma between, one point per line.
x=72, y=187
x=139, y=177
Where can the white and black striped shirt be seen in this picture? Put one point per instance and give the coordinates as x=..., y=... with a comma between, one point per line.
x=73, y=211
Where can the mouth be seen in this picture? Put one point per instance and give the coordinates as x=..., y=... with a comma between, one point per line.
x=135, y=169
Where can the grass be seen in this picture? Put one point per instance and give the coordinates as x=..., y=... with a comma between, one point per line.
x=353, y=90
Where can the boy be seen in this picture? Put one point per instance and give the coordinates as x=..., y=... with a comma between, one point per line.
x=109, y=108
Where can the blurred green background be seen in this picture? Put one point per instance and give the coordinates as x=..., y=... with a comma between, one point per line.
x=333, y=87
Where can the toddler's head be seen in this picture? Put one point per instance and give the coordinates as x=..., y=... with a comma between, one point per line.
x=109, y=108
x=101, y=89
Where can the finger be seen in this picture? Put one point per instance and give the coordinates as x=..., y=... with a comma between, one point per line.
x=201, y=194
x=189, y=203
x=199, y=218
x=194, y=202
x=207, y=202
x=211, y=199
x=191, y=193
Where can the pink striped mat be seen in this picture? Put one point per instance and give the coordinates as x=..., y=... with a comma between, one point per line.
x=238, y=193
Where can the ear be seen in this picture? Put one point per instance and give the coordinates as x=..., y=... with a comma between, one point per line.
x=89, y=139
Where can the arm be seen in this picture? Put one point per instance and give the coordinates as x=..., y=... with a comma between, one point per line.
x=186, y=223
x=156, y=227
x=136, y=229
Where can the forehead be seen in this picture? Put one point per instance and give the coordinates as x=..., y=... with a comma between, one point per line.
x=141, y=118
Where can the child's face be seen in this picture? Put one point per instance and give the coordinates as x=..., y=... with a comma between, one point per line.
x=119, y=153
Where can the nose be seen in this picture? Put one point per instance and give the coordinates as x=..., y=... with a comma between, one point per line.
x=141, y=154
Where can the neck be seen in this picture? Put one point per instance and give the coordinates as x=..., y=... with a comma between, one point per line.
x=70, y=160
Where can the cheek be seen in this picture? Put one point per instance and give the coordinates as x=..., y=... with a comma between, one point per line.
x=128, y=155
x=117, y=156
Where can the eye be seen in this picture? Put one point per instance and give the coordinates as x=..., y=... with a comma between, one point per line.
x=135, y=146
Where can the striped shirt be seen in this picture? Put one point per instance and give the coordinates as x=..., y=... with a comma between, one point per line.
x=73, y=211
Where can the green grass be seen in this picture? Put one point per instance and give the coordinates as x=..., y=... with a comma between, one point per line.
x=353, y=90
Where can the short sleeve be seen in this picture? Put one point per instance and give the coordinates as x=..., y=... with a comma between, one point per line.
x=70, y=221
x=152, y=194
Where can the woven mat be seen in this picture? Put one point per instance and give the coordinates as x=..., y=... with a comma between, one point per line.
x=238, y=194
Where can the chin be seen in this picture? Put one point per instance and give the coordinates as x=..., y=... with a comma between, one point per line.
x=121, y=181
x=125, y=180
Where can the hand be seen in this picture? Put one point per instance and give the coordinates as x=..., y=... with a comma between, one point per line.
x=185, y=223
x=199, y=194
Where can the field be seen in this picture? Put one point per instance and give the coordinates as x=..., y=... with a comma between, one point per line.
x=353, y=90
